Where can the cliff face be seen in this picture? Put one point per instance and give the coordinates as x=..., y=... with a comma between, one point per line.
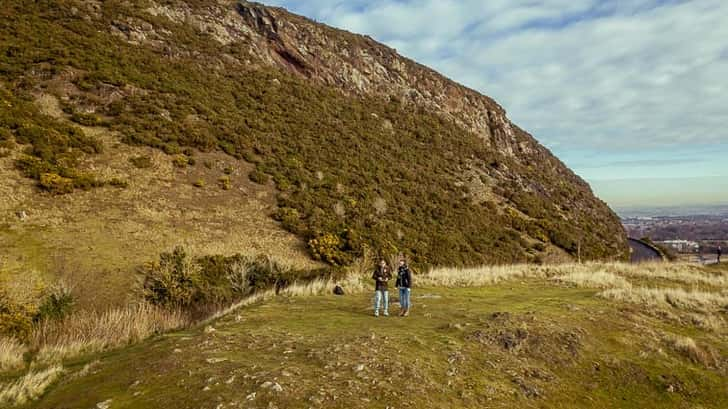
x=355, y=64
x=288, y=69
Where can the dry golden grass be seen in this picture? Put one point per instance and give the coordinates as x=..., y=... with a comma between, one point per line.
x=669, y=297
x=29, y=387
x=710, y=322
x=596, y=279
x=477, y=276
x=87, y=332
x=255, y=298
x=683, y=273
x=688, y=348
x=11, y=354
x=352, y=284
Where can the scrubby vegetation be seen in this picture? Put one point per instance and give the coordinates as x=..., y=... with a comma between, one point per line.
x=331, y=156
x=18, y=315
x=195, y=284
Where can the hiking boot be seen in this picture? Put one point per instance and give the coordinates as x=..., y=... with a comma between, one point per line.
x=406, y=313
x=401, y=313
x=376, y=313
x=386, y=313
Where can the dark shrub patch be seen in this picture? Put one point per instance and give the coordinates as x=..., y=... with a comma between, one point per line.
x=259, y=177
x=141, y=162
x=180, y=280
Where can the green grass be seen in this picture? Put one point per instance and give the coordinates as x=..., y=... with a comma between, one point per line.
x=580, y=351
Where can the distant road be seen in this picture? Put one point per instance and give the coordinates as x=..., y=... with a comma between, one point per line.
x=642, y=252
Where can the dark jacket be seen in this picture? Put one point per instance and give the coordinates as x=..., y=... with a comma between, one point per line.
x=381, y=276
x=404, y=277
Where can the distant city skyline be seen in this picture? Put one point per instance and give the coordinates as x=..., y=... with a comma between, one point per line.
x=631, y=94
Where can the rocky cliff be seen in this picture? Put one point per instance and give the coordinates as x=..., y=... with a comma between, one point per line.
x=366, y=148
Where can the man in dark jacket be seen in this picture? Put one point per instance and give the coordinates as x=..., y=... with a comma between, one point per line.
x=720, y=251
x=381, y=277
x=404, y=283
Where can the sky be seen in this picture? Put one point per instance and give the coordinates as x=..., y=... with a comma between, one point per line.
x=631, y=94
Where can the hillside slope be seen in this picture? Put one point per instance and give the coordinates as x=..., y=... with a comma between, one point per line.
x=364, y=147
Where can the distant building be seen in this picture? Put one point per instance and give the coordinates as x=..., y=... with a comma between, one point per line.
x=682, y=246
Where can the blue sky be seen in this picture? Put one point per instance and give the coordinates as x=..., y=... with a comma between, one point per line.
x=631, y=94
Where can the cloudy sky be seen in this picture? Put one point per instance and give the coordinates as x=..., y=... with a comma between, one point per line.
x=632, y=94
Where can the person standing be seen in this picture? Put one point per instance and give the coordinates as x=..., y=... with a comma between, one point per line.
x=381, y=277
x=404, y=283
x=719, y=251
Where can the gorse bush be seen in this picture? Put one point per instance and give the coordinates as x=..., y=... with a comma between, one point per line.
x=56, y=183
x=173, y=281
x=18, y=317
x=179, y=280
x=322, y=149
x=57, y=304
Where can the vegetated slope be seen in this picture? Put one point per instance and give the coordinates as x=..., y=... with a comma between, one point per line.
x=365, y=147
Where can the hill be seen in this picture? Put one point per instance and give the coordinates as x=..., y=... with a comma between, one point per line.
x=143, y=124
x=571, y=336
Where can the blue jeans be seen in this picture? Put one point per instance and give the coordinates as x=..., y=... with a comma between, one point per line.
x=378, y=295
x=404, y=298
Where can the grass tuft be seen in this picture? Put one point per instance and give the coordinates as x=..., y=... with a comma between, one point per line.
x=11, y=354
x=596, y=279
x=669, y=297
x=88, y=332
x=30, y=387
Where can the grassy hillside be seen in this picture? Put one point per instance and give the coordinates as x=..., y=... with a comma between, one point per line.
x=351, y=172
x=551, y=337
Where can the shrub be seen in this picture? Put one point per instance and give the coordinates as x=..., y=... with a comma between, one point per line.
x=141, y=162
x=259, y=177
x=86, y=119
x=181, y=161
x=173, y=280
x=178, y=280
x=56, y=184
x=86, y=182
x=199, y=183
x=224, y=182
x=57, y=304
x=16, y=320
x=329, y=248
x=290, y=218
x=120, y=183
x=228, y=170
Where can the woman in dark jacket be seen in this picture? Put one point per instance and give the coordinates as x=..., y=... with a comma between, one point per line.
x=404, y=283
